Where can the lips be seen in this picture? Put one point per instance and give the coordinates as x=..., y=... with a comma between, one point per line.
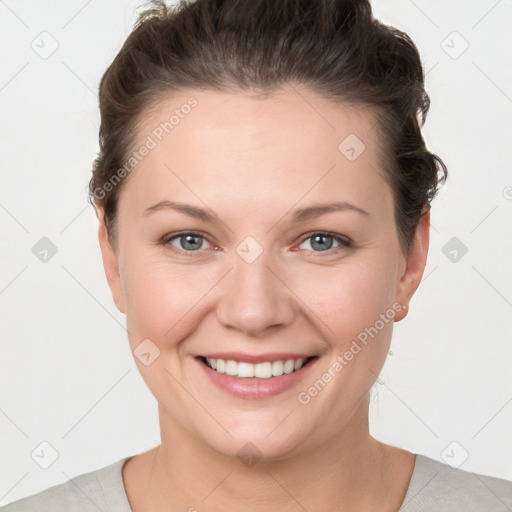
x=255, y=376
x=261, y=370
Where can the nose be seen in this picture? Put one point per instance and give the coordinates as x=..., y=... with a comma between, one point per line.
x=255, y=298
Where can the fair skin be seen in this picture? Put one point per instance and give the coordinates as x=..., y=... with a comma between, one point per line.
x=252, y=163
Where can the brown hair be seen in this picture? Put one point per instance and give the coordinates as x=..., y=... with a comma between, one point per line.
x=333, y=47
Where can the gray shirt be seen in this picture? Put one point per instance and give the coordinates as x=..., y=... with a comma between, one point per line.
x=434, y=486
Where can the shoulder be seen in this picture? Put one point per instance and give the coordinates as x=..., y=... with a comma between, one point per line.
x=438, y=486
x=101, y=489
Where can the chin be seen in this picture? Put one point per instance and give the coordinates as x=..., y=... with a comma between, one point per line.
x=262, y=439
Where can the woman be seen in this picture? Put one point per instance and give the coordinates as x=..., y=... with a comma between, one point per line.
x=263, y=193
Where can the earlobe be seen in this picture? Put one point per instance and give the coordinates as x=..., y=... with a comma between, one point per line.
x=111, y=266
x=416, y=260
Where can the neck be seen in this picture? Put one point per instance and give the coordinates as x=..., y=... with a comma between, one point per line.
x=350, y=469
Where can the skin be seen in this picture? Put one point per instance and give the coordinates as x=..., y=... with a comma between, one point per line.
x=253, y=162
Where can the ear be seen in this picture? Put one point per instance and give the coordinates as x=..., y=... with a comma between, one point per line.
x=415, y=260
x=111, y=266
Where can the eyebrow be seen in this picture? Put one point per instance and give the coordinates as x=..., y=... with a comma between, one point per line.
x=299, y=215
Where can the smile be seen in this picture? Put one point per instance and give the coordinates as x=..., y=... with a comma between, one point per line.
x=262, y=370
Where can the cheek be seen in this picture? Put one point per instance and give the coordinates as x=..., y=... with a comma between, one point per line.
x=354, y=305
x=350, y=298
x=161, y=298
x=162, y=305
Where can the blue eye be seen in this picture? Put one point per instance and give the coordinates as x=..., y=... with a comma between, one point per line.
x=187, y=241
x=321, y=242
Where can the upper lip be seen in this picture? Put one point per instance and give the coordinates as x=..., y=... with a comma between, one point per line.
x=256, y=358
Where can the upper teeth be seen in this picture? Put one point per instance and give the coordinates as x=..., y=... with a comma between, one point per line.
x=261, y=370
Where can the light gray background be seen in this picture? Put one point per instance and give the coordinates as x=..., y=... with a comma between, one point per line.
x=68, y=377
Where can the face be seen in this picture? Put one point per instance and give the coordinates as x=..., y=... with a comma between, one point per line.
x=258, y=238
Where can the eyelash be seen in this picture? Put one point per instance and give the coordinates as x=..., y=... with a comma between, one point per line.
x=344, y=242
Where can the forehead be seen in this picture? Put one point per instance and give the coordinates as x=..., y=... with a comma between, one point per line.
x=240, y=145
x=239, y=117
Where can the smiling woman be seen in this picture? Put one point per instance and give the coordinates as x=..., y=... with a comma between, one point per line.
x=270, y=231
